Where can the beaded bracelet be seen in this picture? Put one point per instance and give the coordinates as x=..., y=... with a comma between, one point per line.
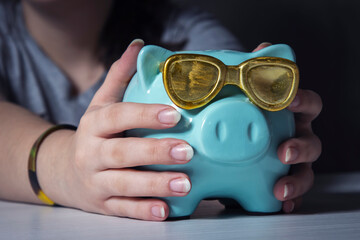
x=32, y=162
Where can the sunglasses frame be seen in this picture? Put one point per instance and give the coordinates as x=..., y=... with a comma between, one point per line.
x=230, y=75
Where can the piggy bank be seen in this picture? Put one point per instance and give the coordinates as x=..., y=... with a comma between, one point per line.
x=234, y=140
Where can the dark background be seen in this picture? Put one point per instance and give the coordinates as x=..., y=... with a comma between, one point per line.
x=325, y=35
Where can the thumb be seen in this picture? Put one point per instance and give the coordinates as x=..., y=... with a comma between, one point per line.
x=261, y=46
x=118, y=76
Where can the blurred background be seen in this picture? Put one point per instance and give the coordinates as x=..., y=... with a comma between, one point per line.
x=325, y=35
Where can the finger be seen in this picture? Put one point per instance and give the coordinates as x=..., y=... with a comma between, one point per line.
x=119, y=76
x=304, y=149
x=290, y=206
x=261, y=46
x=119, y=117
x=145, y=209
x=132, y=152
x=135, y=183
x=307, y=104
x=295, y=185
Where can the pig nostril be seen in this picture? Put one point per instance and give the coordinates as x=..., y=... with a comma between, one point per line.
x=220, y=131
x=253, y=132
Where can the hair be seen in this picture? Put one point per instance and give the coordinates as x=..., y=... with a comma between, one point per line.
x=132, y=19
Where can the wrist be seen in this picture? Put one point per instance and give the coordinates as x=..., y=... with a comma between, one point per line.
x=53, y=158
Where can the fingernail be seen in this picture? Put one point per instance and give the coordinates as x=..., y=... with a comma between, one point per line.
x=182, y=152
x=136, y=41
x=264, y=44
x=180, y=185
x=295, y=102
x=169, y=116
x=158, y=211
x=291, y=155
x=288, y=190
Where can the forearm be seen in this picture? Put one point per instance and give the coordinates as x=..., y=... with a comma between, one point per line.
x=19, y=130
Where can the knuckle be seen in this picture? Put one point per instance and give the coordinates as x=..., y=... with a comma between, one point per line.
x=314, y=100
x=115, y=66
x=110, y=113
x=308, y=178
x=159, y=185
x=140, y=211
x=155, y=185
x=117, y=156
x=100, y=206
x=85, y=121
x=112, y=153
x=317, y=104
x=307, y=147
x=155, y=151
x=120, y=187
x=144, y=115
x=113, y=208
x=313, y=95
x=303, y=179
x=104, y=150
x=313, y=148
x=317, y=146
x=106, y=210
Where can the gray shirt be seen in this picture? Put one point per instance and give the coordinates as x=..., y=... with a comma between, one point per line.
x=29, y=78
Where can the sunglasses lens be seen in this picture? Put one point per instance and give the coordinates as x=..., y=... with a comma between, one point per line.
x=193, y=80
x=271, y=84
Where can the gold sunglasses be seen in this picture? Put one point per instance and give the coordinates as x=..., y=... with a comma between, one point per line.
x=193, y=80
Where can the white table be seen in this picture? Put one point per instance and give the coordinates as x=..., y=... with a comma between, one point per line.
x=330, y=211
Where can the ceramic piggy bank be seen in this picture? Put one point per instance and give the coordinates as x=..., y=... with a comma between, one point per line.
x=232, y=106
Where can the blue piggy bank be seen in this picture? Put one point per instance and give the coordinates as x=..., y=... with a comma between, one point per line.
x=234, y=141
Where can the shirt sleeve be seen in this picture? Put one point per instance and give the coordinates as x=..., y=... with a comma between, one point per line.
x=198, y=30
x=2, y=78
x=2, y=90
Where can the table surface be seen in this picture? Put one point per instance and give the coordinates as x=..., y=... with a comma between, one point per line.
x=330, y=211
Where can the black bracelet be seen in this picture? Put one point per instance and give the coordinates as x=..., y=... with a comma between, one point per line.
x=32, y=162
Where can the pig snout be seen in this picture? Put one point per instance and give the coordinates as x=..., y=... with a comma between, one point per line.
x=233, y=131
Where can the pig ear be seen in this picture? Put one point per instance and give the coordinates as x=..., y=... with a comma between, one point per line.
x=278, y=50
x=148, y=63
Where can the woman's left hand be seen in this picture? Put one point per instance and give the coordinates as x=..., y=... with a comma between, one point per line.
x=300, y=151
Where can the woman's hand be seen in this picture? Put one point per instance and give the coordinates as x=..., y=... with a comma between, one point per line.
x=99, y=176
x=300, y=151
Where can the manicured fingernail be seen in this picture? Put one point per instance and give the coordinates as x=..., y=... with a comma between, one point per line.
x=288, y=190
x=288, y=206
x=158, y=211
x=295, y=102
x=180, y=185
x=182, y=152
x=169, y=116
x=264, y=44
x=136, y=41
x=291, y=155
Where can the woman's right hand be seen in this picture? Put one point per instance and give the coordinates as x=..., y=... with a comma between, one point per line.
x=97, y=175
